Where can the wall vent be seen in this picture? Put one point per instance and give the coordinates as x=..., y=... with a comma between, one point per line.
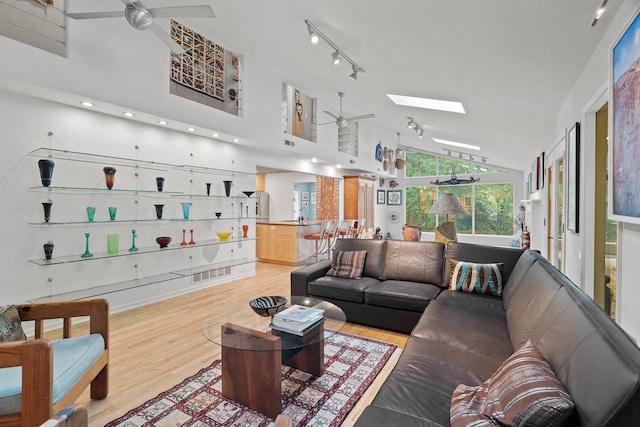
x=210, y=274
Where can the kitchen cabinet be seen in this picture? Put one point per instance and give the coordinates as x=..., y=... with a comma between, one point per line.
x=283, y=242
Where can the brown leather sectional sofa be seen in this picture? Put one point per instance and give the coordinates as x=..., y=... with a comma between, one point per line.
x=462, y=338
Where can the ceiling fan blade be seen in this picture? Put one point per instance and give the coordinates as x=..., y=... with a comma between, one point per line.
x=331, y=114
x=93, y=15
x=327, y=123
x=166, y=39
x=363, y=117
x=203, y=11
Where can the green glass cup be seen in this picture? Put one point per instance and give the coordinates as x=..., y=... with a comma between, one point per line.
x=91, y=212
x=112, y=213
x=113, y=243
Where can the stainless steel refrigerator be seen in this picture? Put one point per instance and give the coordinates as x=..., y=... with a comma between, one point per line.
x=262, y=206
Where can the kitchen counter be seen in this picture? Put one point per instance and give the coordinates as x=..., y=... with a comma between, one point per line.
x=282, y=242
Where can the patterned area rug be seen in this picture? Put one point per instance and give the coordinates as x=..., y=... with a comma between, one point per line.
x=351, y=364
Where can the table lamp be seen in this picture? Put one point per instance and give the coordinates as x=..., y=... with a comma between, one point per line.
x=447, y=203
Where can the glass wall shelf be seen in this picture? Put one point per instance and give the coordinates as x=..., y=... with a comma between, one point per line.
x=106, y=190
x=125, y=252
x=122, y=161
x=102, y=290
x=213, y=196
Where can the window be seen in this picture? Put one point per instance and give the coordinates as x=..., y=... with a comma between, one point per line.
x=490, y=205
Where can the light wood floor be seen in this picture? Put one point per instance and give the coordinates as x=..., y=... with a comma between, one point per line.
x=156, y=346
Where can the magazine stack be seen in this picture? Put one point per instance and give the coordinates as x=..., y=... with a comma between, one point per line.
x=297, y=319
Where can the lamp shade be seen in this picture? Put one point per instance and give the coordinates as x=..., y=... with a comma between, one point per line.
x=448, y=203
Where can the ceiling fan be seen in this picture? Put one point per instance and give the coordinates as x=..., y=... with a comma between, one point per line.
x=142, y=18
x=342, y=121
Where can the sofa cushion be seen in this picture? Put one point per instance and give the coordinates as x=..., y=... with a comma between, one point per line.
x=425, y=376
x=474, y=277
x=341, y=288
x=472, y=322
x=414, y=261
x=347, y=264
x=375, y=248
x=71, y=359
x=523, y=391
x=10, y=324
x=401, y=294
x=482, y=254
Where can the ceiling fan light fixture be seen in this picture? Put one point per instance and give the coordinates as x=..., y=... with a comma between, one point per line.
x=336, y=59
x=138, y=16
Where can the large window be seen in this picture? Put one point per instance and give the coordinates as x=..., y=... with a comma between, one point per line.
x=490, y=205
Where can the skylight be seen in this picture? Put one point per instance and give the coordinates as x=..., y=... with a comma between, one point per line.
x=432, y=104
x=456, y=144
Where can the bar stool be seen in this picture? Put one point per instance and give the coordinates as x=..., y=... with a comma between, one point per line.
x=322, y=238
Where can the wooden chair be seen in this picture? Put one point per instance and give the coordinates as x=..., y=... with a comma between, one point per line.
x=72, y=416
x=36, y=357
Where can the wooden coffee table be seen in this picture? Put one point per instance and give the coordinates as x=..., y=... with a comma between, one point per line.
x=253, y=354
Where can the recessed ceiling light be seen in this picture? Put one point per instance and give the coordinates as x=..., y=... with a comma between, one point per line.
x=87, y=104
x=215, y=135
x=432, y=104
x=163, y=122
x=191, y=129
x=314, y=160
x=456, y=144
x=338, y=166
x=236, y=140
x=128, y=114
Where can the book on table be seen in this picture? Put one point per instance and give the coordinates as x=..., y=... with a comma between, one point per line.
x=297, y=318
x=296, y=331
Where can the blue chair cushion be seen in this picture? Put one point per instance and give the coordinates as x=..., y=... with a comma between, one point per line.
x=72, y=357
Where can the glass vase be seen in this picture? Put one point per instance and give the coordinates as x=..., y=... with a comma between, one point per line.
x=109, y=176
x=113, y=243
x=160, y=183
x=133, y=241
x=227, y=187
x=47, y=210
x=86, y=253
x=185, y=209
x=192, y=242
x=112, y=213
x=159, y=209
x=245, y=230
x=91, y=213
x=48, y=249
x=184, y=241
x=46, y=171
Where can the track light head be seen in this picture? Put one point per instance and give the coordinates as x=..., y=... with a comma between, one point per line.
x=354, y=75
x=419, y=131
x=484, y=160
x=410, y=123
x=336, y=58
x=313, y=36
x=471, y=158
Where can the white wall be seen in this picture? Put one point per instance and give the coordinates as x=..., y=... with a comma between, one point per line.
x=585, y=97
x=280, y=189
x=26, y=121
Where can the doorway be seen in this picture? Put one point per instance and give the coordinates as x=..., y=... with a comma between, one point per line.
x=605, y=230
x=555, y=206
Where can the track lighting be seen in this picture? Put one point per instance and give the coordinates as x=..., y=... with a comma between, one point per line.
x=338, y=55
x=336, y=58
x=462, y=155
x=484, y=160
x=413, y=125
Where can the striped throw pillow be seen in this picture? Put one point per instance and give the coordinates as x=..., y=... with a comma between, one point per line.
x=478, y=278
x=524, y=391
x=10, y=324
x=347, y=264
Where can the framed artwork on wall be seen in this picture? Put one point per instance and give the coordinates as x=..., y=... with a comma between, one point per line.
x=624, y=134
x=313, y=198
x=573, y=179
x=305, y=195
x=381, y=197
x=394, y=197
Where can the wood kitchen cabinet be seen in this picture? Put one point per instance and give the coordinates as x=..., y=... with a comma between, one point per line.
x=283, y=243
x=359, y=198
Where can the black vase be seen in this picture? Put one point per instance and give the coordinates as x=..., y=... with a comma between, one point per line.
x=208, y=184
x=46, y=171
x=160, y=183
x=227, y=187
x=159, y=211
x=48, y=249
x=47, y=210
x=109, y=176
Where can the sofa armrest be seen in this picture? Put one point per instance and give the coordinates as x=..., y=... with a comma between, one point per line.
x=301, y=277
x=36, y=359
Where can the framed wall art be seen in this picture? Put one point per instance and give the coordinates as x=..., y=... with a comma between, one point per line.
x=381, y=197
x=624, y=119
x=573, y=179
x=394, y=197
x=298, y=113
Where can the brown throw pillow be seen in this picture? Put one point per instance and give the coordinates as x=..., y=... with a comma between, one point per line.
x=478, y=278
x=10, y=325
x=347, y=264
x=524, y=391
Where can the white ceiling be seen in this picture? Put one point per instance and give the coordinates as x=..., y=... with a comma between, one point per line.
x=510, y=62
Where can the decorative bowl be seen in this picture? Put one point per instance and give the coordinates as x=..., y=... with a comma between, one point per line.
x=223, y=235
x=248, y=193
x=163, y=241
x=218, y=214
x=268, y=306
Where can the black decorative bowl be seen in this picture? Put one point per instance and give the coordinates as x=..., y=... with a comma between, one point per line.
x=268, y=306
x=248, y=193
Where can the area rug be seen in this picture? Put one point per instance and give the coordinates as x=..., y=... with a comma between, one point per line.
x=351, y=364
